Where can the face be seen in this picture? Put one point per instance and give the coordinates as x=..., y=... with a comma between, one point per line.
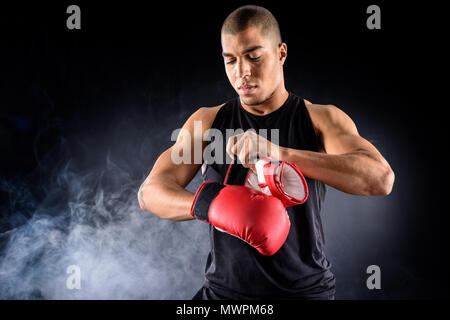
x=254, y=65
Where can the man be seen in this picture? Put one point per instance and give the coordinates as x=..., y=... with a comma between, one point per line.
x=321, y=140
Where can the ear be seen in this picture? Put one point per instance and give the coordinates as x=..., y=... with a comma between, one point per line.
x=282, y=47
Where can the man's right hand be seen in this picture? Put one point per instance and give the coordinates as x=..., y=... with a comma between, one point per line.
x=258, y=219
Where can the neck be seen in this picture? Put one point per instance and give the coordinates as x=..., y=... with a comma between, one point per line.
x=270, y=104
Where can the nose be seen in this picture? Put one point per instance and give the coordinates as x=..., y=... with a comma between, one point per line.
x=242, y=69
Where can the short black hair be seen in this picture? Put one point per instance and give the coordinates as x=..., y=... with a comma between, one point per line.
x=252, y=15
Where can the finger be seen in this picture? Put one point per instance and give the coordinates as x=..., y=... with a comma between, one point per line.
x=244, y=151
x=239, y=146
x=252, y=150
x=259, y=144
x=242, y=156
x=231, y=146
x=247, y=153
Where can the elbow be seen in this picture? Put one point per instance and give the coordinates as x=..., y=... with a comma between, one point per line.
x=384, y=183
x=388, y=182
x=141, y=204
x=140, y=197
x=147, y=204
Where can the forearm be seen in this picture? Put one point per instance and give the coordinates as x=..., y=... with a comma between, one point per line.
x=166, y=199
x=358, y=172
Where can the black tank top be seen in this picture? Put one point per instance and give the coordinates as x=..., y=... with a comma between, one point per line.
x=234, y=269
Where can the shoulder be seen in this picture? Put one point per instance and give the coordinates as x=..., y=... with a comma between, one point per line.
x=322, y=114
x=329, y=118
x=207, y=112
x=205, y=115
x=199, y=121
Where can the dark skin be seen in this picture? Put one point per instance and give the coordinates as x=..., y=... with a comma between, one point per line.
x=347, y=162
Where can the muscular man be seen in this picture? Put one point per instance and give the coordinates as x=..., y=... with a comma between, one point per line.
x=320, y=139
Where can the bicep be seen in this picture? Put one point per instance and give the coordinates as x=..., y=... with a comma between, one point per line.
x=181, y=162
x=347, y=143
x=340, y=135
x=167, y=169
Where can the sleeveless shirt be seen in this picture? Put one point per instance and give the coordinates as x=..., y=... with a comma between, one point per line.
x=234, y=269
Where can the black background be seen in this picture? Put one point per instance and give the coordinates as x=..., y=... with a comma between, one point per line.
x=135, y=72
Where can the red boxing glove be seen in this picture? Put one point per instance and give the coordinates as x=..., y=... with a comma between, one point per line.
x=258, y=219
x=280, y=179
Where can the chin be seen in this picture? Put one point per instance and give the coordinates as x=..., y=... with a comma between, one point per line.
x=252, y=100
x=249, y=101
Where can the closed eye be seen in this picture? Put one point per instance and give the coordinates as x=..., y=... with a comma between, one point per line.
x=252, y=59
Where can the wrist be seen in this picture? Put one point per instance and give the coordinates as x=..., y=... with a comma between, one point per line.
x=203, y=198
x=283, y=154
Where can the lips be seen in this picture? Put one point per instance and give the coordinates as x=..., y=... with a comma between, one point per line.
x=246, y=89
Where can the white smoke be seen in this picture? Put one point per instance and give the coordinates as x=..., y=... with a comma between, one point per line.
x=92, y=219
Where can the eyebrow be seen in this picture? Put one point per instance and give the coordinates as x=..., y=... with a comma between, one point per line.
x=225, y=54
